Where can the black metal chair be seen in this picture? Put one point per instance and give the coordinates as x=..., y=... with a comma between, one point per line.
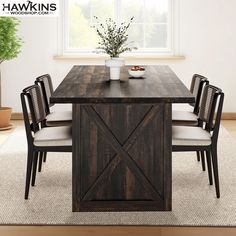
x=40, y=139
x=53, y=118
x=189, y=117
x=187, y=139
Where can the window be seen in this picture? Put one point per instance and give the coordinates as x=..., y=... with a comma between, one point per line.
x=151, y=31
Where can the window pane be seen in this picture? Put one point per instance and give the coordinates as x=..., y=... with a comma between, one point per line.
x=83, y=5
x=156, y=11
x=103, y=9
x=149, y=14
x=132, y=8
x=156, y=35
x=81, y=15
x=136, y=35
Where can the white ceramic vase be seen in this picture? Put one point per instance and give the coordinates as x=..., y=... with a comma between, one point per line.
x=115, y=63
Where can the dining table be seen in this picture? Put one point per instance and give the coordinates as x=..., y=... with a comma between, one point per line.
x=121, y=137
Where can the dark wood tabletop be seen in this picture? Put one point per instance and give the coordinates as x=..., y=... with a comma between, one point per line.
x=91, y=84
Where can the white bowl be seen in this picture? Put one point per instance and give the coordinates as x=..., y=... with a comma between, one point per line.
x=136, y=73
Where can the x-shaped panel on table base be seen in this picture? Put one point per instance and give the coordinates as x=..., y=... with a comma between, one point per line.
x=122, y=152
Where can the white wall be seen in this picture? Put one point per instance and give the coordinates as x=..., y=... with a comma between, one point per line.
x=207, y=37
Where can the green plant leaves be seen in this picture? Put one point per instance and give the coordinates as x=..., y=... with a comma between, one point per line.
x=10, y=43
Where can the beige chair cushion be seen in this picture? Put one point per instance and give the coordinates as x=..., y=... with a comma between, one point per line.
x=187, y=118
x=61, y=107
x=184, y=116
x=190, y=136
x=59, y=118
x=181, y=107
x=53, y=136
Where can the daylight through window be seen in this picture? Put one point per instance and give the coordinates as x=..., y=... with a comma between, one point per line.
x=150, y=31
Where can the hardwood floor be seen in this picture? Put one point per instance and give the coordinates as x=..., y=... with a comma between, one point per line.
x=113, y=231
x=230, y=125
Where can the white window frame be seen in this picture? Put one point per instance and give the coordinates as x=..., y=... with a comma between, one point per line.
x=173, y=48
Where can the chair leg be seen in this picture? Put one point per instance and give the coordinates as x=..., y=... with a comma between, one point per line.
x=203, y=161
x=208, y=158
x=41, y=154
x=28, y=173
x=45, y=157
x=215, y=171
x=35, y=163
x=198, y=156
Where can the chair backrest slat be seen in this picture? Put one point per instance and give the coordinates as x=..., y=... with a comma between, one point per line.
x=197, y=84
x=36, y=106
x=45, y=82
x=28, y=125
x=211, y=103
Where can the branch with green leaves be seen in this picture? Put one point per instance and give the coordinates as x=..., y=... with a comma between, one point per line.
x=10, y=43
x=113, y=37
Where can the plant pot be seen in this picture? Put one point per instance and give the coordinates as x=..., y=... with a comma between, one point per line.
x=5, y=117
x=115, y=64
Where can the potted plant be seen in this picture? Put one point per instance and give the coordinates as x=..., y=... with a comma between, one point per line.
x=113, y=41
x=10, y=45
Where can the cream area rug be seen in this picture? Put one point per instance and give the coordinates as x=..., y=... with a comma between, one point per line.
x=194, y=201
